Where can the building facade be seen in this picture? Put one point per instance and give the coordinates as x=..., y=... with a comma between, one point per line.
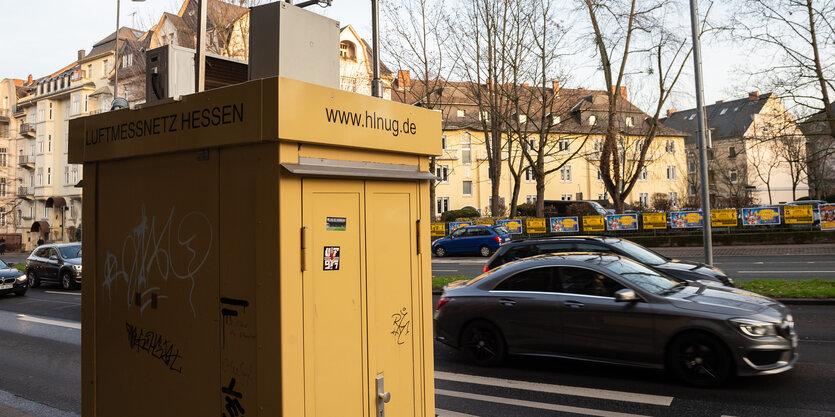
x=757, y=155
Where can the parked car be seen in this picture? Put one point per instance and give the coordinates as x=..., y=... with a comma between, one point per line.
x=481, y=240
x=12, y=280
x=58, y=263
x=574, y=208
x=686, y=270
x=609, y=308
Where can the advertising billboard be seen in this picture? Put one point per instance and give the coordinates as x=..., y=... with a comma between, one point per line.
x=654, y=220
x=593, y=224
x=723, y=218
x=535, y=225
x=622, y=222
x=564, y=224
x=760, y=216
x=456, y=225
x=438, y=229
x=827, y=217
x=685, y=219
x=801, y=214
x=514, y=226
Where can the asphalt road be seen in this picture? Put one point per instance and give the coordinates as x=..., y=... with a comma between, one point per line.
x=740, y=268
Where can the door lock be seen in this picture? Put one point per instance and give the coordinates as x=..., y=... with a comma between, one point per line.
x=383, y=397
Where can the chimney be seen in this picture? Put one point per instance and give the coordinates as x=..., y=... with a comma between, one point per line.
x=754, y=96
x=555, y=85
x=404, y=79
x=489, y=83
x=671, y=112
x=80, y=54
x=525, y=85
x=29, y=80
x=719, y=101
x=621, y=91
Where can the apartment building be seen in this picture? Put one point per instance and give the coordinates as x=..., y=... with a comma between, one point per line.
x=11, y=125
x=576, y=126
x=757, y=155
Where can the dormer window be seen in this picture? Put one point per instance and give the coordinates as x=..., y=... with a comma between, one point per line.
x=555, y=120
x=347, y=50
x=630, y=121
x=461, y=113
x=522, y=118
x=592, y=119
x=725, y=110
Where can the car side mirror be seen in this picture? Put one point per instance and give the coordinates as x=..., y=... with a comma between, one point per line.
x=626, y=295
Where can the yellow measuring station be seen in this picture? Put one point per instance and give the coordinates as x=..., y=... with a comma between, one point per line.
x=257, y=250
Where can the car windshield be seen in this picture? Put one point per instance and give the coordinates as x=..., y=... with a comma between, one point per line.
x=638, y=252
x=644, y=277
x=72, y=251
x=501, y=230
x=3, y=265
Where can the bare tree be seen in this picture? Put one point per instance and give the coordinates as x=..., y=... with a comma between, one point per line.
x=621, y=30
x=765, y=162
x=416, y=42
x=798, y=35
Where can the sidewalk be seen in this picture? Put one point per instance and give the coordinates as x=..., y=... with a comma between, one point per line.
x=823, y=249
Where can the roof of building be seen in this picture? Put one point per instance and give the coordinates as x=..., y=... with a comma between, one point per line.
x=725, y=119
x=572, y=106
x=109, y=43
x=815, y=124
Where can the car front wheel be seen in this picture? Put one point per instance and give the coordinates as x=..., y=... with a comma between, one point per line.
x=700, y=360
x=34, y=282
x=483, y=343
x=66, y=281
x=440, y=251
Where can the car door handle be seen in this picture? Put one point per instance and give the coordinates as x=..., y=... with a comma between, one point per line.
x=573, y=304
x=507, y=302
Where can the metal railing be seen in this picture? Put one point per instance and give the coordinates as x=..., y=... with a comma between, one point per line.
x=26, y=159
x=24, y=191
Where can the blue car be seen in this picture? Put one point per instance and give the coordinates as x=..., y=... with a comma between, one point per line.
x=481, y=240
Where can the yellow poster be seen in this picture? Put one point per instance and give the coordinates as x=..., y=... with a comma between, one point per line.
x=594, y=223
x=723, y=218
x=484, y=222
x=654, y=220
x=438, y=229
x=535, y=225
x=798, y=214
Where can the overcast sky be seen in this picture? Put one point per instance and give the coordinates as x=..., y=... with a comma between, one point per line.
x=42, y=36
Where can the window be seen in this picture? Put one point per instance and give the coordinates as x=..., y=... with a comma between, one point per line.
x=484, y=116
x=72, y=209
x=127, y=60
x=3, y=157
x=711, y=177
x=442, y=172
x=48, y=176
x=639, y=144
x=642, y=176
x=630, y=122
x=529, y=175
x=104, y=67
x=566, y=197
x=533, y=144
x=565, y=174
x=555, y=120
x=467, y=188
x=725, y=110
x=670, y=146
x=40, y=114
x=67, y=174
x=592, y=119
x=89, y=71
x=693, y=189
x=40, y=144
x=46, y=211
x=522, y=118
x=731, y=152
x=710, y=154
x=733, y=176
x=587, y=282
x=74, y=173
x=3, y=210
x=443, y=141
x=531, y=280
x=461, y=113
x=347, y=50
x=691, y=166
x=643, y=198
x=564, y=145
x=691, y=116
x=466, y=148
x=671, y=172
x=599, y=174
x=49, y=143
x=2, y=187
x=530, y=199
x=50, y=111
x=76, y=103
x=604, y=196
x=673, y=198
x=442, y=205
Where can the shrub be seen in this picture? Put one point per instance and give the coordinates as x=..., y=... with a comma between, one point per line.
x=453, y=215
x=526, y=209
x=661, y=202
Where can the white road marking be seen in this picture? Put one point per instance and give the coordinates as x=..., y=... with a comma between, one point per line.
x=62, y=293
x=444, y=270
x=70, y=324
x=785, y=272
x=446, y=413
x=533, y=404
x=557, y=389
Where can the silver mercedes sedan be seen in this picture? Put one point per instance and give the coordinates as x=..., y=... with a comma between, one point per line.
x=604, y=307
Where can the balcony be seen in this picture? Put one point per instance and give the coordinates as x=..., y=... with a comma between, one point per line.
x=18, y=110
x=26, y=161
x=27, y=129
x=4, y=115
x=25, y=192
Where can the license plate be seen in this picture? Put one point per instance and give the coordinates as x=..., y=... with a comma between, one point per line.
x=6, y=286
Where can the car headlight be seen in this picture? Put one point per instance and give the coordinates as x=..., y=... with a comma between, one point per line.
x=21, y=278
x=755, y=328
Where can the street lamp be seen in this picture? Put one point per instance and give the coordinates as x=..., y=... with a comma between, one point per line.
x=118, y=102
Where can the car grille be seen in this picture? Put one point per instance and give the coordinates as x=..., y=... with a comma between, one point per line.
x=7, y=280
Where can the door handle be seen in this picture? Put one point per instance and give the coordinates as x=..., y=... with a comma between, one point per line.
x=383, y=397
x=573, y=304
x=507, y=302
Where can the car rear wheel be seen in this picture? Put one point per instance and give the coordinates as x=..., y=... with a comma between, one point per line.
x=440, y=251
x=700, y=360
x=483, y=343
x=485, y=251
x=34, y=281
x=66, y=281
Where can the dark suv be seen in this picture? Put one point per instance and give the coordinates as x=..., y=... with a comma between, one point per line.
x=686, y=270
x=59, y=263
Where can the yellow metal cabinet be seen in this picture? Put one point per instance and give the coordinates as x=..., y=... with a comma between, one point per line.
x=242, y=265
